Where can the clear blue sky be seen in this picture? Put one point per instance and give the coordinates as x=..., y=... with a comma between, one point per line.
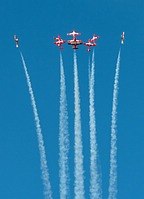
x=36, y=23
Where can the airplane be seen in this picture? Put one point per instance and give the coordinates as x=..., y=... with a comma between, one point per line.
x=16, y=40
x=122, y=37
x=59, y=42
x=74, y=34
x=89, y=44
x=74, y=42
x=95, y=37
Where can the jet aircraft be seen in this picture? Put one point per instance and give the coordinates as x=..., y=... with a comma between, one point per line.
x=89, y=44
x=122, y=37
x=74, y=42
x=16, y=40
x=59, y=42
x=74, y=34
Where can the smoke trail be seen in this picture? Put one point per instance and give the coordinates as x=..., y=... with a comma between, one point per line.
x=89, y=68
x=113, y=152
x=79, y=172
x=43, y=161
x=63, y=136
x=95, y=181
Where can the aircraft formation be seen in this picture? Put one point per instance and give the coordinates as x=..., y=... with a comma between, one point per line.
x=74, y=41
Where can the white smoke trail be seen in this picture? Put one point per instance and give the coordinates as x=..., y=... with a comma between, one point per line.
x=113, y=152
x=63, y=136
x=79, y=172
x=95, y=177
x=89, y=68
x=43, y=161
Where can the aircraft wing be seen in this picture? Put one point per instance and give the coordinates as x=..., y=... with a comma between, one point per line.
x=72, y=42
x=89, y=44
x=79, y=42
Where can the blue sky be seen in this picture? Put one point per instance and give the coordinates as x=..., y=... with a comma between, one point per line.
x=36, y=23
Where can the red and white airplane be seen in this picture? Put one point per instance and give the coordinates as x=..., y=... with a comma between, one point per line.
x=95, y=37
x=74, y=42
x=74, y=34
x=16, y=40
x=122, y=37
x=89, y=44
x=59, y=42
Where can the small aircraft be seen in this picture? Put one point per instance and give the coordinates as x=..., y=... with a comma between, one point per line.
x=89, y=44
x=16, y=40
x=95, y=37
x=74, y=42
x=59, y=42
x=122, y=37
x=74, y=34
